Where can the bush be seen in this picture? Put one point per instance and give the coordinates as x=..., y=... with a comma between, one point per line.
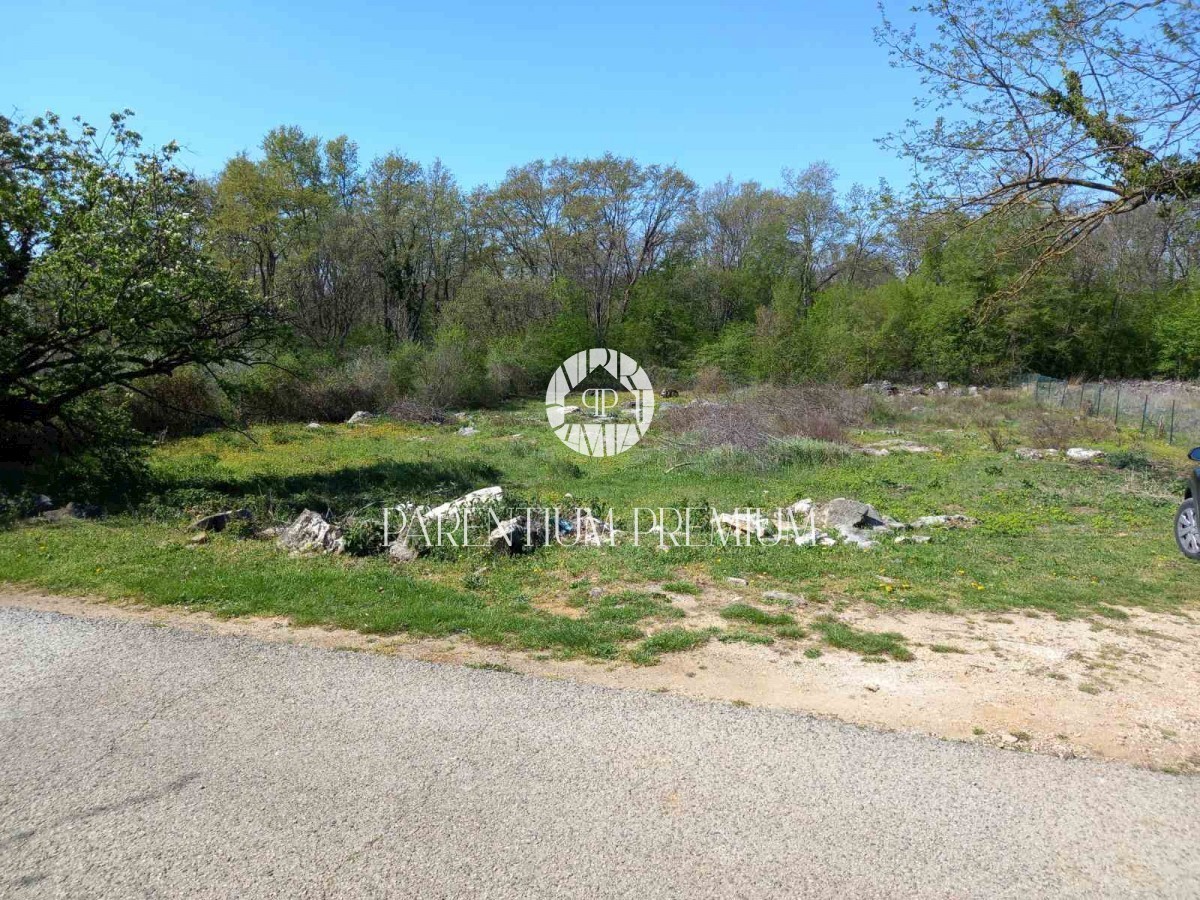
x=418, y=412
x=319, y=386
x=452, y=373
x=186, y=402
x=756, y=419
x=363, y=537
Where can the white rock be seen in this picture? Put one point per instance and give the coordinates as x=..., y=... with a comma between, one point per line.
x=746, y=523
x=943, y=385
x=310, y=532
x=467, y=431
x=402, y=551
x=740, y=582
x=953, y=520
x=1035, y=453
x=1082, y=454
x=313, y=425
x=481, y=497
x=359, y=418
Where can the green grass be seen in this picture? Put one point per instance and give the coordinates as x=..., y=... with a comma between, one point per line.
x=946, y=648
x=681, y=587
x=742, y=612
x=1054, y=538
x=872, y=645
x=669, y=640
x=742, y=636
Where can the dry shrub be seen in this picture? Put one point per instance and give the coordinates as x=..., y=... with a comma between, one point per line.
x=1062, y=430
x=410, y=409
x=711, y=380
x=754, y=419
x=185, y=402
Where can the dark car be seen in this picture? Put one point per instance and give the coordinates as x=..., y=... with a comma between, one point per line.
x=1187, y=522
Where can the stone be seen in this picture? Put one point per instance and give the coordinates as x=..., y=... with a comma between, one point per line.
x=876, y=451
x=813, y=539
x=943, y=385
x=739, y=582
x=595, y=592
x=972, y=391
x=401, y=551
x=899, y=446
x=467, y=431
x=42, y=504
x=953, y=520
x=1082, y=454
x=567, y=410
x=1035, y=454
x=73, y=510
x=846, y=513
x=746, y=522
x=481, y=497
x=201, y=538
x=516, y=535
x=912, y=539
x=359, y=418
x=218, y=521
x=311, y=533
x=857, y=523
x=871, y=687
x=313, y=425
x=784, y=597
x=589, y=531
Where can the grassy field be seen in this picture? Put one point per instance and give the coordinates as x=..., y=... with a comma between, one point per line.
x=1054, y=537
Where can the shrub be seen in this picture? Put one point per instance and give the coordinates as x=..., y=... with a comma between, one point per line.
x=410, y=409
x=186, y=402
x=1136, y=460
x=452, y=373
x=755, y=419
x=363, y=537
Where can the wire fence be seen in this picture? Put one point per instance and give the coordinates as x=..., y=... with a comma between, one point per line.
x=1165, y=410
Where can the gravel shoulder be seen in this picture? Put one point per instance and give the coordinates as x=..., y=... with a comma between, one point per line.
x=1115, y=689
x=159, y=761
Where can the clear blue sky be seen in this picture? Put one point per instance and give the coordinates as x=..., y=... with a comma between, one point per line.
x=716, y=88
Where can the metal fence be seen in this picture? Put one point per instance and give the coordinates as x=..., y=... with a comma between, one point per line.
x=1165, y=411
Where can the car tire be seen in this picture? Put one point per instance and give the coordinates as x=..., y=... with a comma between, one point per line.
x=1187, y=529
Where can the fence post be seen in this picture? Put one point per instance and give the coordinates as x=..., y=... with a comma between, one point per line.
x=1145, y=409
x=1171, y=437
x=1099, y=398
x=1117, y=413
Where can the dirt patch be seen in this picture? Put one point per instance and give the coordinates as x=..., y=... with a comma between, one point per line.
x=1113, y=689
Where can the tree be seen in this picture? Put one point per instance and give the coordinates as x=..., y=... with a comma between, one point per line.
x=1080, y=110
x=816, y=227
x=104, y=280
x=603, y=223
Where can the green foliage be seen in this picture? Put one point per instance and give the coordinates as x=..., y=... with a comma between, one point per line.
x=869, y=643
x=743, y=612
x=363, y=537
x=669, y=640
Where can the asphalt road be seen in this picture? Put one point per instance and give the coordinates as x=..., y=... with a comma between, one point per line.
x=138, y=761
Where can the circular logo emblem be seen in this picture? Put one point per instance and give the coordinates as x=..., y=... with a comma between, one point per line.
x=601, y=424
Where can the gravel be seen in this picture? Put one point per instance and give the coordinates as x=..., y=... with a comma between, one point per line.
x=144, y=761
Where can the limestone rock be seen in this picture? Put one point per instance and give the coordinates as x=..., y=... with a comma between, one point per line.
x=311, y=533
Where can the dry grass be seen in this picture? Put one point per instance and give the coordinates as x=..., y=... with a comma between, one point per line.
x=753, y=419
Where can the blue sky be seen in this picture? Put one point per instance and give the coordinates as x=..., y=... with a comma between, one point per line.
x=716, y=88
